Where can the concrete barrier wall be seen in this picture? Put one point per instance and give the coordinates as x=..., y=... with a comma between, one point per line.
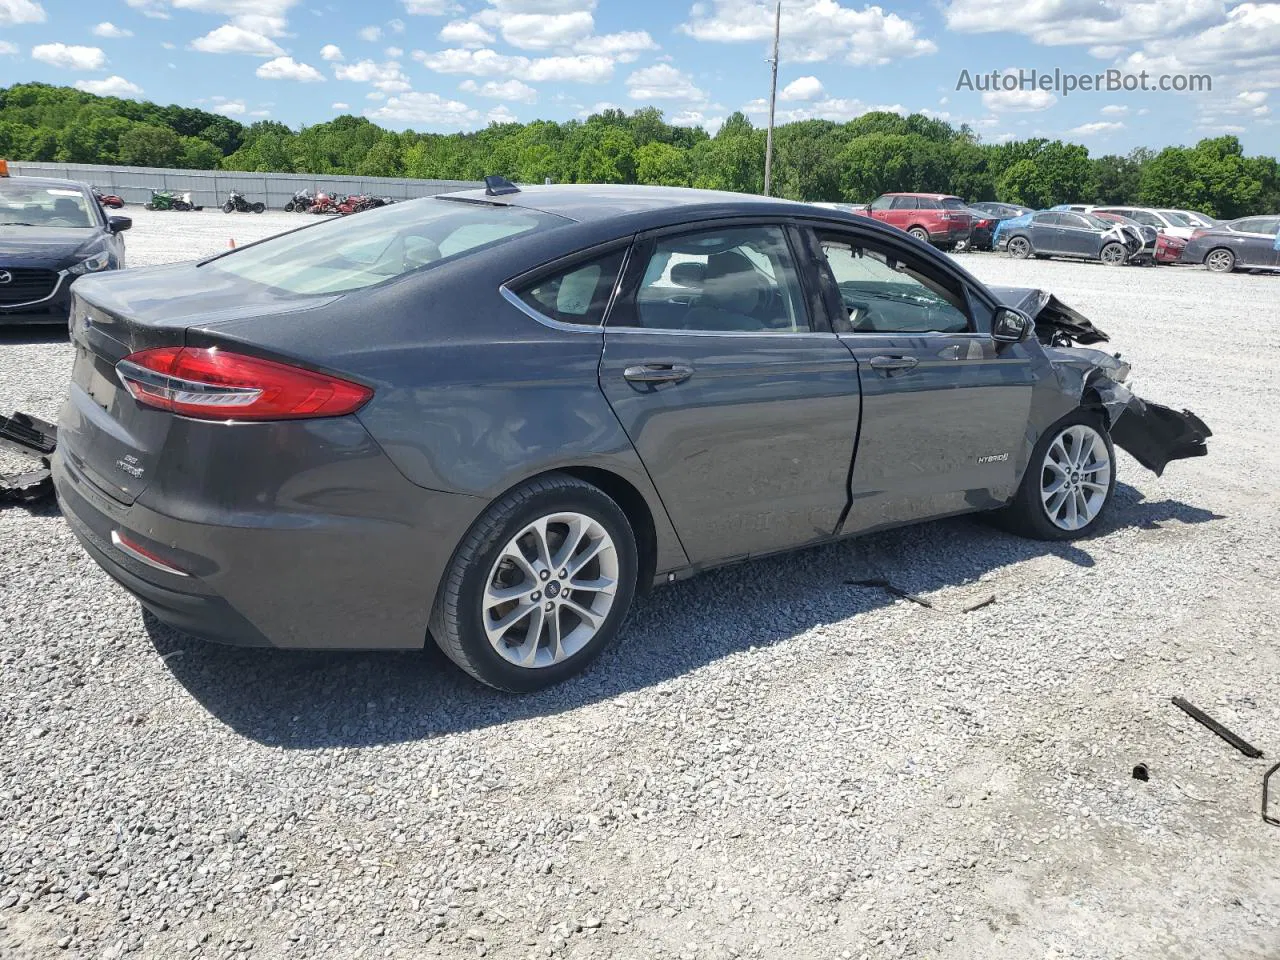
x=210, y=187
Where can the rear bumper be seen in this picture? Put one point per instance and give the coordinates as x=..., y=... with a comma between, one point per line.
x=359, y=575
x=949, y=234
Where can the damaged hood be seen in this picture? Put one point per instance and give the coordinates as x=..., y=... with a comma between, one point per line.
x=1152, y=434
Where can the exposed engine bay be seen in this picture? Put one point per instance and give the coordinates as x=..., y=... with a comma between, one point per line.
x=1152, y=434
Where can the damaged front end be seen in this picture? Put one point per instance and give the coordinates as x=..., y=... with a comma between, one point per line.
x=1152, y=434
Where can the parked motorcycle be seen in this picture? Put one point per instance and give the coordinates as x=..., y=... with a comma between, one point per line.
x=107, y=199
x=351, y=204
x=167, y=200
x=236, y=203
x=324, y=203
x=302, y=201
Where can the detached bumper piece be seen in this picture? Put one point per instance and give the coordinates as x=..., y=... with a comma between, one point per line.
x=1155, y=435
x=34, y=438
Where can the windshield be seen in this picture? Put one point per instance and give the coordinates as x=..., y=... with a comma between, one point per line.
x=34, y=206
x=1177, y=219
x=349, y=254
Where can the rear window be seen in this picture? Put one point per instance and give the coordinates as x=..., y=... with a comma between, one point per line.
x=377, y=245
x=953, y=203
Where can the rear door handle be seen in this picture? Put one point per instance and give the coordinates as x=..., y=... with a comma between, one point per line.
x=658, y=373
x=893, y=363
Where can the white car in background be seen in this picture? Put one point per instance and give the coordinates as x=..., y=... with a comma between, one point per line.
x=1170, y=222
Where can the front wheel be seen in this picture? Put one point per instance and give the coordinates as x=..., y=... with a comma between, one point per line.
x=288, y=207
x=148, y=205
x=1220, y=261
x=1069, y=481
x=1114, y=255
x=539, y=586
x=228, y=207
x=1019, y=248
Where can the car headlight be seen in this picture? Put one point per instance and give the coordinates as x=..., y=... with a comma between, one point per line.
x=91, y=264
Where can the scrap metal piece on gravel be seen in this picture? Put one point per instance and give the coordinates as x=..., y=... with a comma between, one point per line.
x=1266, y=783
x=888, y=587
x=1195, y=713
x=31, y=437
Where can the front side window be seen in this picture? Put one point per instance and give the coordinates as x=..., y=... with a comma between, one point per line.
x=577, y=295
x=739, y=279
x=882, y=203
x=885, y=294
x=351, y=253
x=905, y=203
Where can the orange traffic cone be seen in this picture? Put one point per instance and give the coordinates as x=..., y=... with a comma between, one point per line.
x=231, y=244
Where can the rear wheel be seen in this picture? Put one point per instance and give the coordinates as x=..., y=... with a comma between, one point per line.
x=1114, y=254
x=1220, y=260
x=540, y=585
x=920, y=233
x=259, y=207
x=1019, y=248
x=1068, y=483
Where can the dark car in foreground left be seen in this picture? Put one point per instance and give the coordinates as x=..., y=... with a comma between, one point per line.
x=490, y=418
x=51, y=232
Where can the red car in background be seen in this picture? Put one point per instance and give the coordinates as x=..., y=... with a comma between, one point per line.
x=937, y=218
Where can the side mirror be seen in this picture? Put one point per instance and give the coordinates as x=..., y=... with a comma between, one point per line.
x=119, y=224
x=1011, y=326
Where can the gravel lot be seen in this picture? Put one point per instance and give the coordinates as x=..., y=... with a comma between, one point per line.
x=772, y=763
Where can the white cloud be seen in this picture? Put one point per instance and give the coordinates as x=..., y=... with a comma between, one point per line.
x=70, y=57
x=386, y=77
x=1104, y=52
x=662, y=82
x=430, y=8
x=490, y=63
x=340, y=106
x=539, y=31
x=425, y=108
x=506, y=90
x=1252, y=98
x=230, y=108
x=286, y=68
x=230, y=38
x=1018, y=101
x=113, y=86
x=1114, y=110
x=331, y=52
x=1097, y=127
x=1065, y=23
x=466, y=33
x=812, y=30
x=371, y=34
x=21, y=11
x=111, y=31
x=8, y=49
x=167, y=45
x=802, y=88
x=149, y=8
x=623, y=47
x=396, y=25
x=375, y=95
x=600, y=106
x=500, y=114
x=838, y=109
x=696, y=118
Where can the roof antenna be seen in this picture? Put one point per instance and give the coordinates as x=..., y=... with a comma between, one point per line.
x=499, y=186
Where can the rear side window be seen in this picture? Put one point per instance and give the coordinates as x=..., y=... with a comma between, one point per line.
x=577, y=295
x=378, y=245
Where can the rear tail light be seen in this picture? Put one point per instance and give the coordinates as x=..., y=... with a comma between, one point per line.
x=140, y=553
x=215, y=384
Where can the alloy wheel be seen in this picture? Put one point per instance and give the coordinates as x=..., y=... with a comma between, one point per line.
x=1019, y=248
x=1113, y=254
x=1221, y=261
x=550, y=590
x=1075, y=477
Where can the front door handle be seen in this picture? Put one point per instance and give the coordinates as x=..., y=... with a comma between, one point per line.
x=658, y=373
x=893, y=363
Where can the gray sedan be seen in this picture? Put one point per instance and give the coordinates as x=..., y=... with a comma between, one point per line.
x=1064, y=233
x=1248, y=242
x=490, y=418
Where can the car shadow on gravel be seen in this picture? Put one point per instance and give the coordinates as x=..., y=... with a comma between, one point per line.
x=308, y=700
x=33, y=334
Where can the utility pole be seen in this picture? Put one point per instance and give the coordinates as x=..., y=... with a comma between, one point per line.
x=773, y=93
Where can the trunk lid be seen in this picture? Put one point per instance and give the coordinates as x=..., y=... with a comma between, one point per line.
x=111, y=438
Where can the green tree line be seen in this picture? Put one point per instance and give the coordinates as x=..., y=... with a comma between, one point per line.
x=814, y=159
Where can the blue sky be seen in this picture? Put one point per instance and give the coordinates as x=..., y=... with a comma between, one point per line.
x=446, y=65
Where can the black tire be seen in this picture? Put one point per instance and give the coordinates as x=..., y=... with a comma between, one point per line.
x=1114, y=254
x=148, y=205
x=228, y=207
x=288, y=207
x=920, y=233
x=1027, y=514
x=1019, y=248
x=456, y=622
x=1220, y=260
x=259, y=207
